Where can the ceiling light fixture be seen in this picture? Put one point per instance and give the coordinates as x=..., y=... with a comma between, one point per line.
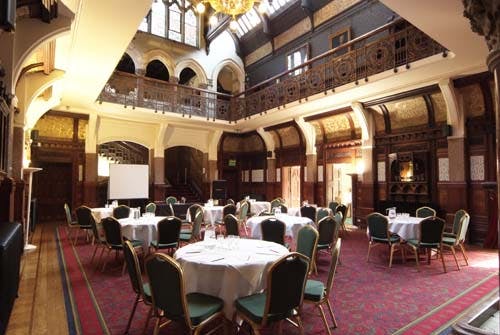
x=232, y=8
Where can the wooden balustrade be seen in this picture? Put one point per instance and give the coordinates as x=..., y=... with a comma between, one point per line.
x=377, y=51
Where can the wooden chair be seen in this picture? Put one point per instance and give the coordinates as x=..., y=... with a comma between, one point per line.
x=70, y=224
x=150, y=208
x=379, y=234
x=431, y=235
x=425, y=211
x=273, y=230
x=84, y=218
x=458, y=240
x=121, y=212
x=307, y=241
x=231, y=225
x=168, y=234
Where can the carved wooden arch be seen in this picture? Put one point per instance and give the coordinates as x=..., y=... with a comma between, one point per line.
x=239, y=72
x=159, y=55
x=226, y=135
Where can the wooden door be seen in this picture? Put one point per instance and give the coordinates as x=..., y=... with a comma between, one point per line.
x=232, y=181
x=52, y=187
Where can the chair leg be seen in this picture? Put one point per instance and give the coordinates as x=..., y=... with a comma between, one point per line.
x=150, y=313
x=331, y=313
x=390, y=256
x=323, y=317
x=299, y=323
x=369, y=248
x=442, y=257
x=136, y=302
x=416, y=258
x=455, y=256
x=100, y=258
x=106, y=261
x=93, y=255
x=157, y=326
x=463, y=253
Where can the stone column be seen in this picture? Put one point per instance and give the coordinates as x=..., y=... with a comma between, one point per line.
x=271, y=179
x=484, y=16
x=90, y=177
x=310, y=178
x=158, y=162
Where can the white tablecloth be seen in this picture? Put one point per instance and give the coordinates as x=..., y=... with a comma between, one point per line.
x=408, y=227
x=101, y=213
x=210, y=214
x=143, y=228
x=257, y=206
x=293, y=224
x=227, y=273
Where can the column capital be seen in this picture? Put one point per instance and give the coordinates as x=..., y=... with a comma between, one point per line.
x=484, y=18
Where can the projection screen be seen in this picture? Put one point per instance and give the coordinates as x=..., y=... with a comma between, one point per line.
x=128, y=181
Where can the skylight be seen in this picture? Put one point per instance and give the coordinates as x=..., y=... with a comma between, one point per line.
x=251, y=19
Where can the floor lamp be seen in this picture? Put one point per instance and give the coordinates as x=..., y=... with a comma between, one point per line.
x=28, y=176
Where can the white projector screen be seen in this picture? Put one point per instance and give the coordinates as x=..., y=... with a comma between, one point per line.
x=128, y=181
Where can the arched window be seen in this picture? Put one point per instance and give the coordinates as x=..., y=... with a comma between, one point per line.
x=173, y=19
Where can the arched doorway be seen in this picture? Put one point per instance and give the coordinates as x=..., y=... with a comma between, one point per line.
x=126, y=64
x=188, y=77
x=227, y=81
x=157, y=70
x=184, y=172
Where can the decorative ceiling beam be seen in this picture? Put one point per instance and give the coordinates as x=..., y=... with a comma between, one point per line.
x=431, y=115
x=387, y=118
x=309, y=10
x=403, y=95
x=212, y=34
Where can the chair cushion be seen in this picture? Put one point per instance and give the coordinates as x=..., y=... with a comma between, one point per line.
x=322, y=246
x=449, y=234
x=135, y=243
x=415, y=243
x=393, y=239
x=202, y=306
x=185, y=231
x=449, y=240
x=154, y=244
x=314, y=290
x=147, y=292
x=185, y=236
x=253, y=307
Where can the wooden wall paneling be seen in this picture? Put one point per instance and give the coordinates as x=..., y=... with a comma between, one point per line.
x=478, y=211
x=364, y=202
x=452, y=196
x=320, y=194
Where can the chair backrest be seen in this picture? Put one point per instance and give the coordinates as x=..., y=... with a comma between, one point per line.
x=456, y=220
x=67, y=211
x=326, y=230
x=150, y=208
x=307, y=240
x=121, y=212
x=275, y=202
x=333, y=266
x=308, y=212
x=342, y=209
x=286, y=280
x=273, y=230
x=243, y=209
x=169, y=230
x=322, y=213
x=333, y=206
x=112, y=231
x=230, y=201
x=193, y=209
x=171, y=200
x=133, y=268
x=167, y=287
x=463, y=227
x=231, y=223
x=283, y=208
x=228, y=209
x=338, y=224
x=378, y=225
x=425, y=211
x=84, y=216
x=431, y=230
x=198, y=220
x=264, y=212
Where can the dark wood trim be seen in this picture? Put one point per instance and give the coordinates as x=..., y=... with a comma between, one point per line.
x=351, y=124
x=387, y=118
x=472, y=79
x=328, y=114
x=430, y=110
x=403, y=95
x=281, y=125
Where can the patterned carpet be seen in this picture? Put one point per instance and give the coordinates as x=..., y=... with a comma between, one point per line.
x=368, y=298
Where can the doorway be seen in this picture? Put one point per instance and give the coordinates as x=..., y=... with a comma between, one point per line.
x=291, y=185
x=52, y=187
x=339, y=184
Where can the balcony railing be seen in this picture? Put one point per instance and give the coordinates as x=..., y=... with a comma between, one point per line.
x=385, y=48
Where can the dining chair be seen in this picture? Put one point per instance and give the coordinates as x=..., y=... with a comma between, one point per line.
x=193, y=234
x=318, y=293
x=283, y=209
x=114, y=239
x=458, y=240
x=242, y=215
x=379, y=234
x=342, y=209
x=333, y=206
x=328, y=229
x=121, y=212
x=275, y=203
x=171, y=200
x=168, y=234
x=150, y=208
x=308, y=212
x=431, y=235
x=282, y=298
x=230, y=201
x=321, y=213
x=226, y=210
x=171, y=302
x=307, y=241
x=231, y=225
x=192, y=212
x=84, y=218
x=70, y=224
x=99, y=242
x=425, y=211
x=273, y=230
x=456, y=223
x=142, y=290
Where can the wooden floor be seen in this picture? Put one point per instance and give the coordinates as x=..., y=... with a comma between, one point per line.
x=39, y=309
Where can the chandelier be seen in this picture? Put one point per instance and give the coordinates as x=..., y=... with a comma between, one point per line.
x=230, y=7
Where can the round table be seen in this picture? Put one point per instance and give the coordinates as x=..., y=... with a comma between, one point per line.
x=143, y=229
x=211, y=214
x=407, y=227
x=293, y=224
x=227, y=268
